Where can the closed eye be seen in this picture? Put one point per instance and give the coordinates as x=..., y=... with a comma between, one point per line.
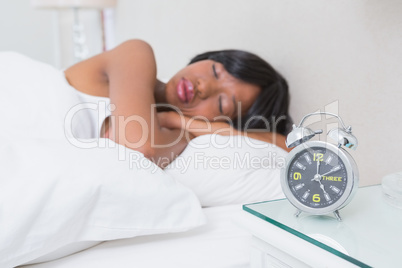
x=220, y=105
x=214, y=70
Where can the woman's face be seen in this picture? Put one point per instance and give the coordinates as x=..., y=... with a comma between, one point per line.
x=205, y=88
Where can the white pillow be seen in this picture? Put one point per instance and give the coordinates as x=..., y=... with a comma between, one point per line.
x=224, y=170
x=54, y=195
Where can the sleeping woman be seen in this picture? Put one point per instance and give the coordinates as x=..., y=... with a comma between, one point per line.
x=228, y=92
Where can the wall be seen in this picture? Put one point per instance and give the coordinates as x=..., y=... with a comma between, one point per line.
x=46, y=34
x=28, y=31
x=338, y=55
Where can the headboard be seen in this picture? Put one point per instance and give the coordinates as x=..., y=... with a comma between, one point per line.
x=339, y=56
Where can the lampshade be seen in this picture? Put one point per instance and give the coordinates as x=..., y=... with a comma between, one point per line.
x=73, y=3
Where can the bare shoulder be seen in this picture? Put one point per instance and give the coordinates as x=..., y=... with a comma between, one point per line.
x=92, y=76
x=129, y=49
x=133, y=45
x=131, y=55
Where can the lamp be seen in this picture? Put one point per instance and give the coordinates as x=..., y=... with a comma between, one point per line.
x=79, y=39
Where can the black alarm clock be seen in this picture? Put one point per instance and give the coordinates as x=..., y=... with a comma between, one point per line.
x=320, y=177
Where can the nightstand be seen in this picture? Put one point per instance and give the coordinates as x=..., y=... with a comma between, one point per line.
x=369, y=235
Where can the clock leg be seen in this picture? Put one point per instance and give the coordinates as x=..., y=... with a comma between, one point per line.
x=298, y=213
x=337, y=216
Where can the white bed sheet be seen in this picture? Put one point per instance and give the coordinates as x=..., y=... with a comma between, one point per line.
x=219, y=243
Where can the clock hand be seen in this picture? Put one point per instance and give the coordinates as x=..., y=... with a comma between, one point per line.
x=317, y=175
x=318, y=167
x=332, y=170
x=322, y=187
x=318, y=178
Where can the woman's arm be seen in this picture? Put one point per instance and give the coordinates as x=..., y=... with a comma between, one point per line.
x=129, y=72
x=199, y=127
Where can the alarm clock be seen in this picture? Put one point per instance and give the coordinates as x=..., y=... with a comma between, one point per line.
x=320, y=177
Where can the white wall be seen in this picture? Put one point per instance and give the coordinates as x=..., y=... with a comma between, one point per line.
x=46, y=34
x=338, y=55
x=28, y=31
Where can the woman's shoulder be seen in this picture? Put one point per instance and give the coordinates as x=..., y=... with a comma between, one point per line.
x=134, y=44
x=135, y=57
x=127, y=50
x=92, y=76
x=134, y=52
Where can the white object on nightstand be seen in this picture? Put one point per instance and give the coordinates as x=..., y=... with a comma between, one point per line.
x=392, y=189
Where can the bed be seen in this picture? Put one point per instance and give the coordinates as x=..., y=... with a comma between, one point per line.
x=61, y=196
x=219, y=243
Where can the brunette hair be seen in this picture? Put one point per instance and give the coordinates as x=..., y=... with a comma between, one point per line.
x=271, y=106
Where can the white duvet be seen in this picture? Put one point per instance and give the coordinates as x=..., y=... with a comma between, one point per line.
x=220, y=243
x=54, y=194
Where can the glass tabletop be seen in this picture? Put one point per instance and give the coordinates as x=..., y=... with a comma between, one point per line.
x=369, y=235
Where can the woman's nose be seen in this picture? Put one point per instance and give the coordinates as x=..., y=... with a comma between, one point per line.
x=204, y=89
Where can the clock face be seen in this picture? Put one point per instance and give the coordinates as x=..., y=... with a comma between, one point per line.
x=317, y=177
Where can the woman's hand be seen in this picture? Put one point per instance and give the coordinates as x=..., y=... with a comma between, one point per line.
x=195, y=125
x=198, y=126
x=171, y=120
x=175, y=121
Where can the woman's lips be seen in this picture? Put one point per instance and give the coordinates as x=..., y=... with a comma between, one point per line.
x=185, y=90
